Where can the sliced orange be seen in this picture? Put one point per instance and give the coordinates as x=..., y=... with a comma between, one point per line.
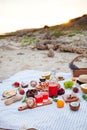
x=60, y=103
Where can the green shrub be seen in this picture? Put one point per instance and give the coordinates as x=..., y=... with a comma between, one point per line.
x=58, y=33
x=25, y=40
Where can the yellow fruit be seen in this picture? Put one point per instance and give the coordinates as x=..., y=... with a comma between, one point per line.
x=47, y=76
x=73, y=79
x=60, y=103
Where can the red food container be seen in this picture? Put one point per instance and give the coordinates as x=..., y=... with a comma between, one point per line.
x=53, y=89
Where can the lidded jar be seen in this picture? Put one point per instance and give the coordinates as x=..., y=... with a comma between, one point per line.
x=53, y=85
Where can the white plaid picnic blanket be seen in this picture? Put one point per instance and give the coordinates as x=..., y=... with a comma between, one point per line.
x=42, y=118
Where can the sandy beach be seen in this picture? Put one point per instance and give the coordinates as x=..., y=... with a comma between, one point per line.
x=14, y=58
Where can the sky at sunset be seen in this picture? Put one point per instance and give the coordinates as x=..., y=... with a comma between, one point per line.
x=20, y=14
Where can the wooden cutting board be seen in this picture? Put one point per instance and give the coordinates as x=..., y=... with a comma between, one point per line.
x=35, y=105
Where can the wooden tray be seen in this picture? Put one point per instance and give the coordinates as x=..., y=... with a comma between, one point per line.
x=26, y=107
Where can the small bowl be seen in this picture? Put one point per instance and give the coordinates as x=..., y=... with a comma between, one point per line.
x=33, y=83
x=84, y=88
x=31, y=93
x=24, y=85
x=74, y=106
x=47, y=75
x=42, y=79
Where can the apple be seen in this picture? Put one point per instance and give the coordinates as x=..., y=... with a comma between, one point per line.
x=16, y=84
x=21, y=91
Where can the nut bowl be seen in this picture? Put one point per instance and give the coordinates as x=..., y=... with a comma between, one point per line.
x=74, y=106
x=84, y=88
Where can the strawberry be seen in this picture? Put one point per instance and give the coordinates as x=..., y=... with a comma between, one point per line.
x=16, y=84
x=21, y=91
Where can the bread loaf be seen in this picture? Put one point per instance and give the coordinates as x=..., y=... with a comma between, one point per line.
x=13, y=99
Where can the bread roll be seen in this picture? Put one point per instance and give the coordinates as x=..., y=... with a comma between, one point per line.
x=13, y=99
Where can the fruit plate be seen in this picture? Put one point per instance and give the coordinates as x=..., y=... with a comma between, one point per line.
x=70, y=97
x=41, y=87
x=35, y=105
x=8, y=93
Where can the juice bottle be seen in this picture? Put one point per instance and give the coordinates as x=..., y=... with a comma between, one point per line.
x=53, y=85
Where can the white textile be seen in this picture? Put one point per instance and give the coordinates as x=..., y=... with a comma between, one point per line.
x=42, y=118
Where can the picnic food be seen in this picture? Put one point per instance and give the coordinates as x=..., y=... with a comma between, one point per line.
x=60, y=78
x=60, y=103
x=42, y=86
x=73, y=79
x=33, y=83
x=24, y=85
x=31, y=92
x=84, y=88
x=75, y=90
x=84, y=97
x=8, y=93
x=21, y=91
x=46, y=75
x=68, y=84
x=82, y=79
x=16, y=84
x=61, y=91
x=74, y=106
x=42, y=79
x=38, y=87
x=30, y=102
x=70, y=97
x=13, y=99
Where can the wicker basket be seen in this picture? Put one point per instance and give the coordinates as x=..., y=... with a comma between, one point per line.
x=76, y=70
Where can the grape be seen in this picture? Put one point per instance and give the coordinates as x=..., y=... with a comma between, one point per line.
x=75, y=90
x=61, y=91
x=68, y=84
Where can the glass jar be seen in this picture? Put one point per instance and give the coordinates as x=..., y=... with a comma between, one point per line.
x=53, y=85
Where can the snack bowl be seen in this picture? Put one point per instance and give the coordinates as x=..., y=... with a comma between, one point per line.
x=84, y=88
x=82, y=79
x=24, y=85
x=46, y=75
x=42, y=79
x=33, y=83
x=74, y=106
x=31, y=93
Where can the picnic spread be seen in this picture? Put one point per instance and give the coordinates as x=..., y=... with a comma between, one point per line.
x=43, y=100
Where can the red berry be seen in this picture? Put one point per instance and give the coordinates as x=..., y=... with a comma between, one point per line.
x=21, y=91
x=16, y=84
x=75, y=90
